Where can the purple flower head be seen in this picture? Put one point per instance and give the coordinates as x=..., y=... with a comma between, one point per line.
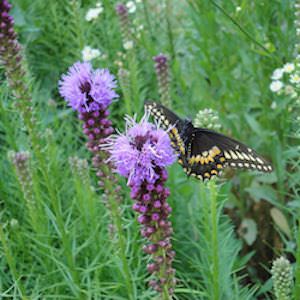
x=160, y=59
x=87, y=90
x=137, y=153
x=121, y=9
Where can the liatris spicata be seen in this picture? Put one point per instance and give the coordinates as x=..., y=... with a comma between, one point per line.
x=141, y=155
x=282, y=276
x=21, y=162
x=124, y=79
x=11, y=58
x=90, y=92
x=122, y=12
x=80, y=168
x=207, y=118
x=163, y=78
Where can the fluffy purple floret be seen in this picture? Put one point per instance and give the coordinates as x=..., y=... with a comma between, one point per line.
x=86, y=90
x=138, y=152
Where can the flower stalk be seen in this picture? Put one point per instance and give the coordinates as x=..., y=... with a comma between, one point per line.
x=90, y=92
x=141, y=155
x=21, y=162
x=128, y=45
x=163, y=78
x=12, y=59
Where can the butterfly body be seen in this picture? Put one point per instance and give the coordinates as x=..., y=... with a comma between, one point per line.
x=204, y=153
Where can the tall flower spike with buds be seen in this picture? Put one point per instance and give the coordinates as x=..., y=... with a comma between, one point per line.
x=11, y=58
x=163, y=78
x=21, y=162
x=80, y=168
x=125, y=26
x=90, y=92
x=141, y=155
x=282, y=276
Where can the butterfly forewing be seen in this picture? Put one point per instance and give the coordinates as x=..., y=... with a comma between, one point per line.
x=204, y=153
x=170, y=122
x=163, y=115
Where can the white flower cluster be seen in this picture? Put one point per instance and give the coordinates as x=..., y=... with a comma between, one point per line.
x=93, y=13
x=131, y=6
x=207, y=118
x=89, y=53
x=286, y=79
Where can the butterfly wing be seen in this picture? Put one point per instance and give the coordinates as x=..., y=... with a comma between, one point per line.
x=163, y=115
x=204, y=153
x=170, y=122
x=209, y=152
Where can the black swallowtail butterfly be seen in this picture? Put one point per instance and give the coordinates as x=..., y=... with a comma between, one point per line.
x=204, y=153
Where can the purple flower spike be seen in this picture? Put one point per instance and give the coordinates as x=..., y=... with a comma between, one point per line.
x=121, y=9
x=11, y=58
x=142, y=155
x=163, y=78
x=90, y=92
x=124, y=21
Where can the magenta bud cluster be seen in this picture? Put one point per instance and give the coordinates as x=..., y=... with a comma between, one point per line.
x=97, y=127
x=154, y=212
x=11, y=58
x=8, y=42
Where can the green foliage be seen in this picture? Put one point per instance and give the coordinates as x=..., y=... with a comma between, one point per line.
x=221, y=58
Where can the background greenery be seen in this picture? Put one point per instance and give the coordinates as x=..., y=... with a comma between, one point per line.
x=220, y=58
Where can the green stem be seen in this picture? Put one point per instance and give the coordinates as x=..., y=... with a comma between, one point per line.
x=12, y=264
x=134, y=82
x=126, y=89
x=214, y=239
x=48, y=181
x=121, y=239
x=147, y=18
x=297, y=270
x=169, y=29
x=245, y=32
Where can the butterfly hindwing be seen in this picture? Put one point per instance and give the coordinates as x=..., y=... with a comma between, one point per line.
x=204, y=158
x=205, y=153
x=210, y=152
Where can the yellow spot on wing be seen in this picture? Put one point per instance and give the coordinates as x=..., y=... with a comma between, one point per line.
x=209, y=158
x=215, y=151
